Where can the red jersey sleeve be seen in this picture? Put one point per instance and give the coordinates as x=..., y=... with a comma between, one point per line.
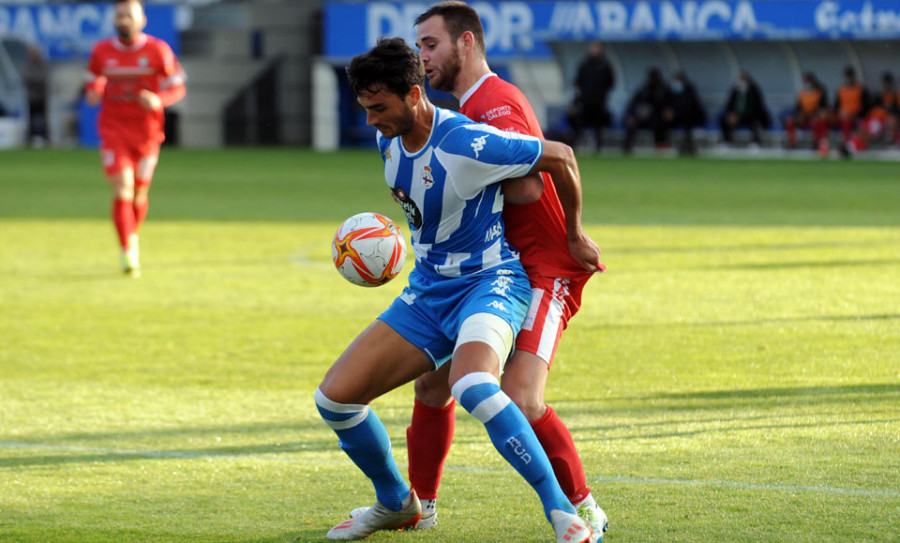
x=94, y=79
x=171, y=88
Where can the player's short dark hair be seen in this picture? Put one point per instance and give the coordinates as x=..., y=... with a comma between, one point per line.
x=391, y=65
x=141, y=2
x=458, y=17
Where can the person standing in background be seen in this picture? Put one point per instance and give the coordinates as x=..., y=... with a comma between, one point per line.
x=593, y=82
x=34, y=74
x=133, y=76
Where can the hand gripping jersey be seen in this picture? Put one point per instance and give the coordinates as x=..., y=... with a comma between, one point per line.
x=450, y=191
x=538, y=229
x=120, y=71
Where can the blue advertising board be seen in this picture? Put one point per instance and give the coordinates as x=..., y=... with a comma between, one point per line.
x=523, y=28
x=68, y=31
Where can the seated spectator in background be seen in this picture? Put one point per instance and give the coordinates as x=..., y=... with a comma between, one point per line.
x=593, y=82
x=880, y=122
x=745, y=108
x=686, y=112
x=851, y=104
x=810, y=113
x=646, y=110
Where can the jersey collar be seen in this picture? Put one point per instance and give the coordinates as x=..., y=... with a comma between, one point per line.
x=475, y=87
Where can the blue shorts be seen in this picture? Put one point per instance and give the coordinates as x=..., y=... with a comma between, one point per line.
x=431, y=308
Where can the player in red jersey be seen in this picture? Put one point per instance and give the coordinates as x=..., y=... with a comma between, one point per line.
x=133, y=76
x=558, y=256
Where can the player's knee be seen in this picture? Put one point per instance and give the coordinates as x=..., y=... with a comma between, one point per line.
x=532, y=405
x=489, y=329
x=339, y=416
x=433, y=390
x=479, y=394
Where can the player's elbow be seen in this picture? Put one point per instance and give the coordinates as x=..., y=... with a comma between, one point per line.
x=523, y=190
x=560, y=151
x=559, y=156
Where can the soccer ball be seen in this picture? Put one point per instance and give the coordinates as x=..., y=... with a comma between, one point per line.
x=368, y=249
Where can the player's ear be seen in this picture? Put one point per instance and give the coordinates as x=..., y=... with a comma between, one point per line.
x=143, y=21
x=413, y=96
x=468, y=41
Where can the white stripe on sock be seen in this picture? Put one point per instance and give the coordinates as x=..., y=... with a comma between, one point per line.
x=488, y=407
x=362, y=411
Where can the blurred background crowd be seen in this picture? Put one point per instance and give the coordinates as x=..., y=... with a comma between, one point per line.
x=802, y=76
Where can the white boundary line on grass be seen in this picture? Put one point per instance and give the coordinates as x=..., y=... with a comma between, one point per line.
x=866, y=492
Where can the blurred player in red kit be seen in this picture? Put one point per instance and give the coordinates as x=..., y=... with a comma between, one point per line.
x=133, y=76
x=555, y=252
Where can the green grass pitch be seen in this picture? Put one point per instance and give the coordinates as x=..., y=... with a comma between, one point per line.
x=733, y=377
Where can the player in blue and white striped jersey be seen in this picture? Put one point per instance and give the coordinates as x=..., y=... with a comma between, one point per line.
x=449, y=191
x=466, y=298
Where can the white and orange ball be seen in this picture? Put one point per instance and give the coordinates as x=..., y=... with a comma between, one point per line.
x=368, y=249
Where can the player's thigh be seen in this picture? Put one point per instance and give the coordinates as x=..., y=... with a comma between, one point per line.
x=473, y=357
x=118, y=165
x=376, y=362
x=146, y=159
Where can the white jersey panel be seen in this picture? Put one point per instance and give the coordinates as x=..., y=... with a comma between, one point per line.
x=486, y=162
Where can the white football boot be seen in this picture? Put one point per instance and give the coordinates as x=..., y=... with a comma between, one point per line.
x=131, y=257
x=378, y=517
x=570, y=528
x=591, y=513
x=429, y=514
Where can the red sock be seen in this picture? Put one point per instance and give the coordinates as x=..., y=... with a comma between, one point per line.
x=791, y=132
x=820, y=130
x=560, y=448
x=846, y=127
x=123, y=218
x=428, y=440
x=140, y=212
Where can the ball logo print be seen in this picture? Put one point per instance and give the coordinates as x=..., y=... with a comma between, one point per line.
x=368, y=249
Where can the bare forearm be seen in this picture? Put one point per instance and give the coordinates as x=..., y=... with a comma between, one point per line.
x=563, y=168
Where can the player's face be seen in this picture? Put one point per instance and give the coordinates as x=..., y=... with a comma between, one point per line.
x=130, y=19
x=439, y=53
x=387, y=112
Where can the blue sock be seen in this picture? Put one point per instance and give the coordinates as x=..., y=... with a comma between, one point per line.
x=363, y=437
x=479, y=393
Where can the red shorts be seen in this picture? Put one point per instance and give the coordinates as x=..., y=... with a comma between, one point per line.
x=553, y=302
x=141, y=159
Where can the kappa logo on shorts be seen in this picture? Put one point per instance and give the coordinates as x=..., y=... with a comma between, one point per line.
x=499, y=306
x=500, y=286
